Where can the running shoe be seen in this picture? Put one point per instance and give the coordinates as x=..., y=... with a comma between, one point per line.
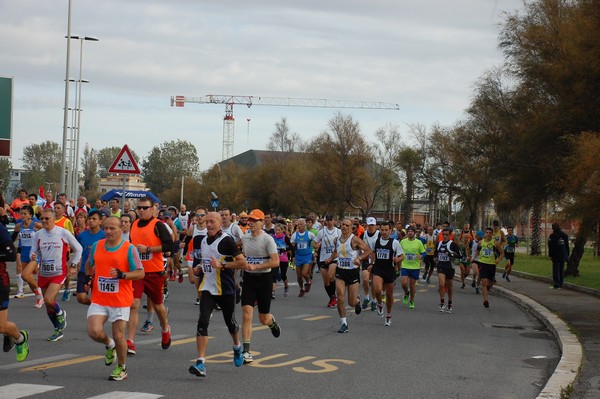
x=449, y=309
x=380, y=310
x=238, y=294
x=357, y=308
x=463, y=285
x=56, y=336
x=473, y=283
x=427, y=281
x=66, y=295
x=286, y=291
x=198, y=369
x=165, y=341
x=110, y=356
x=405, y=299
x=442, y=308
x=180, y=278
x=165, y=292
x=171, y=275
x=503, y=274
x=388, y=321
x=273, y=294
x=130, y=347
x=238, y=358
x=39, y=303
x=331, y=303
x=373, y=306
x=23, y=347
x=197, y=301
x=118, y=374
x=307, y=286
x=247, y=357
x=477, y=290
x=486, y=304
x=365, y=303
x=411, y=305
x=217, y=306
x=301, y=293
x=9, y=343
x=19, y=295
x=147, y=327
x=61, y=320
x=507, y=278
x=343, y=328
x=275, y=329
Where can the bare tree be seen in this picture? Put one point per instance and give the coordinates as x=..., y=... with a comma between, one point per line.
x=283, y=140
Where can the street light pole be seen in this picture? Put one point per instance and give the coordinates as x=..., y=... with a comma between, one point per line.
x=76, y=168
x=66, y=107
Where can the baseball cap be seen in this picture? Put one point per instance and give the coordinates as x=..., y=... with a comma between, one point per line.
x=410, y=228
x=371, y=221
x=256, y=214
x=495, y=223
x=104, y=212
x=479, y=233
x=167, y=214
x=243, y=214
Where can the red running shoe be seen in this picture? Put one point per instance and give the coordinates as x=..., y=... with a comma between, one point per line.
x=166, y=339
x=130, y=347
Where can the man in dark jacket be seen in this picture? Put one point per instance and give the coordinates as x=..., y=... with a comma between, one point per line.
x=558, y=250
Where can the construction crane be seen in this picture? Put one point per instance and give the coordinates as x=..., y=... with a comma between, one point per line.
x=230, y=101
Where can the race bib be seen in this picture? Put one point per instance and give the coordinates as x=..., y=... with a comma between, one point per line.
x=329, y=249
x=108, y=285
x=206, y=266
x=443, y=257
x=145, y=256
x=254, y=261
x=344, y=263
x=510, y=249
x=383, y=253
x=487, y=252
x=411, y=257
x=429, y=251
x=48, y=267
x=302, y=245
x=197, y=254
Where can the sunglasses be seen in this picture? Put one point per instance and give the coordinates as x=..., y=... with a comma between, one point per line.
x=201, y=214
x=143, y=207
x=45, y=218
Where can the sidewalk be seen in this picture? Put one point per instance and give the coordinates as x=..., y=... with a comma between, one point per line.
x=579, y=308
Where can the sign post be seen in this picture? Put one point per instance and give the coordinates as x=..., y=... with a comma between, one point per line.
x=124, y=164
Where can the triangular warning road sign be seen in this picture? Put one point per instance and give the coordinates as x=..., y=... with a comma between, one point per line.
x=125, y=163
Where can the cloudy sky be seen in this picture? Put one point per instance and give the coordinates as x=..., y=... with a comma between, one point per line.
x=422, y=55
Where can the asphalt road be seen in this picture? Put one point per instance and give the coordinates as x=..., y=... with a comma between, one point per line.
x=501, y=352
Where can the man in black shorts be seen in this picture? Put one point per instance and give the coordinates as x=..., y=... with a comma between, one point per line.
x=385, y=258
x=261, y=255
x=350, y=251
x=444, y=252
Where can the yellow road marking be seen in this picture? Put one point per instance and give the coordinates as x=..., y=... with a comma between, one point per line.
x=185, y=341
x=315, y=318
x=260, y=362
x=62, y=363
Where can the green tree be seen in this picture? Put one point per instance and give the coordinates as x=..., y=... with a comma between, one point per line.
x=167, y=163
x=282, y=139
x=42, y=164
x=343, y=158
x=5, y=170
x=89, y=166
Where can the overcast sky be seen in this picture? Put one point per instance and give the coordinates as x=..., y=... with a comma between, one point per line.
x=423, y=55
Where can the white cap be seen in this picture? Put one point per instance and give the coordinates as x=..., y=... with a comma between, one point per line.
x=371, y=221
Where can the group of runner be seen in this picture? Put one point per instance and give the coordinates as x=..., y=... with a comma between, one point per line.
x=119, y=256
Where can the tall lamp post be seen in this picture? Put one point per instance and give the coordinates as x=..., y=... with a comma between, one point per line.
x=74, y=184
x=63, y=168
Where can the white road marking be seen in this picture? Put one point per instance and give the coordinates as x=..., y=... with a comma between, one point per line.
x=126, y=395
x=15, y=391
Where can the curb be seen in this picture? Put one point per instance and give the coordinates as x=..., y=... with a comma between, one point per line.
x=571, y=286
x=571, y=350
